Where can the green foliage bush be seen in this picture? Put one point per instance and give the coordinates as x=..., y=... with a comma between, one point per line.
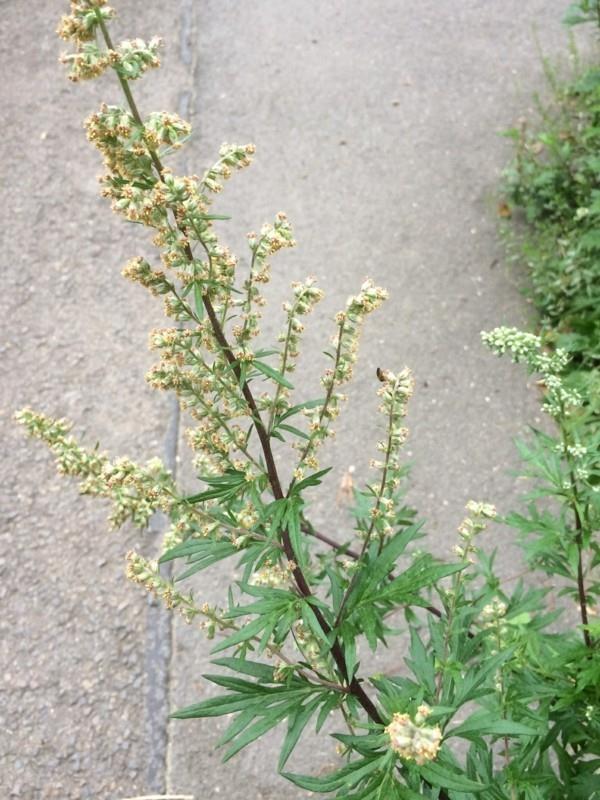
x=554, y=181
x=292, y=636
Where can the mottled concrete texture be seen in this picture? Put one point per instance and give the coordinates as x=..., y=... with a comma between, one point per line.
x=376, y=127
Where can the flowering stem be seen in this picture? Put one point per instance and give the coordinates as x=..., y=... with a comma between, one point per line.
x=283, y=365
x=248, y=303
x=215, y=413
x=354, y=686
x=126, y=90
x=574, y=503
x=326, y=401
x=374, y=513
x=338, y=353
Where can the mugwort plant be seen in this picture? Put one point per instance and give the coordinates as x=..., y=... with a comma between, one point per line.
x=483, y=664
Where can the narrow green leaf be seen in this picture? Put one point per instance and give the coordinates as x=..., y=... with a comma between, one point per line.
x=260, y=671
x=200, y=565
x=297, y=408
x=199, y=304
x=311, y=480
x=296, y=724
x=272, y=373
x=348, y=776
x=333, y=701
x=215, y=707
x=237, y=725
x=308, y=616
x=482, y=723
x=247, y=632
x=265, y=353
x=292, y=429
x=438, y=775
x=272, y=718
x=421, y=662
x=291, y=521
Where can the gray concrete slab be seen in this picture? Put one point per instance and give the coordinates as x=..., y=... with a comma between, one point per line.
x=376, y=127
x=72, y=629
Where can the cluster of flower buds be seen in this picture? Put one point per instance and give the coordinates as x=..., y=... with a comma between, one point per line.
x=349, y=323
x=216, y=439
x=396, y=391
x=412, y=739
x=139, y=271
x=89, y=62
x=135, y=491
x=138, y=185
x=136, y=191
x=165, y=129
x=527, y=348
x=274, y=576
x=71, y=458
x=492, y=617
x=306, y=296
x=246, y=518
x=145, y=572
x=133, y=57
x=272, y=238
x=190, y=522
x=130, y=59
x=345, y=343
x=309, y=646
x=231, y=157
x=470, y=527
x=80, y=25
x=208, y=389
x=139, y=491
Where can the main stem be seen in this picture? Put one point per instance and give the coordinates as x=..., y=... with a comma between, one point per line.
x=574, y=502
x=337, y=653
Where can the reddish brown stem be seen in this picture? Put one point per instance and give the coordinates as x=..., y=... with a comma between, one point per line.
x=580, y=578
